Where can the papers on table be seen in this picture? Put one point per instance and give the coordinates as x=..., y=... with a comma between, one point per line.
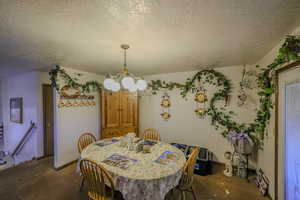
x=148, y=142
x=120, y=161
x=168, y=158
x=106, y=142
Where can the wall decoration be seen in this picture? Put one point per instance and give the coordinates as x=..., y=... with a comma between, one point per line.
x=262, y=182
x=165, y=105
x=220, y=118
x=16, y=110
x=247, y=82
x=72, y=97
x=200, y=99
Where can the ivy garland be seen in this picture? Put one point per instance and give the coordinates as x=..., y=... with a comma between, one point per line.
x=256, y=130
x=219, y=117
x=88, y=87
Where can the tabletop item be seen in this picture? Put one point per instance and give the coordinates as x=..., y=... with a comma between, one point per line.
x=146, y=148
x=168, y=158
x=130, y=141
x=144, y=179
x=148, y=142
x=120, y=161
x=106, y=142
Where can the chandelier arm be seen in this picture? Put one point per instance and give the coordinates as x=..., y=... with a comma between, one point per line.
x=125, y=63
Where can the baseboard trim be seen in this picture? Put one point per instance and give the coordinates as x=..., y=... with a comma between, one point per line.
x=65, y=165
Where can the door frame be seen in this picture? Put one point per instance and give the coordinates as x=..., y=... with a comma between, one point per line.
x=285, y=68
x=44, y=118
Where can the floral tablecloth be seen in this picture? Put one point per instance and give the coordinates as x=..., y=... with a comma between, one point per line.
x=145, y=179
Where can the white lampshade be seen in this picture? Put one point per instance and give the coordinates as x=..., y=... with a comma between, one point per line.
x=133, y=88
x=141, y=84
x=116, y=86
x=127, y=82
x=108, y=83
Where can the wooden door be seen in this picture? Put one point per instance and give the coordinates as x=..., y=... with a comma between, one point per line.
x=128, y=111
x=110, y=109
x=48, y=120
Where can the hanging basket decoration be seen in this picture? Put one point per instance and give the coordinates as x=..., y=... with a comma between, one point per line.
x=200, y=99
x=165, y=105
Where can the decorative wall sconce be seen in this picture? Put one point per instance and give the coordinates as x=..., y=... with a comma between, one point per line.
x=200, y=99
x=165, y=105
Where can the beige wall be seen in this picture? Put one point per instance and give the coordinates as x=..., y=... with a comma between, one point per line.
x=25, y=86
x=184, y=126
x=71, y=122
x=266, y=157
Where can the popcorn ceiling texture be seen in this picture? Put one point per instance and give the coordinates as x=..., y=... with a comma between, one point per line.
x=165, y=35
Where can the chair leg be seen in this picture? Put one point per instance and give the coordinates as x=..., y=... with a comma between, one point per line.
x=173, y=193
x=182, y=195
x=194, y=194
x=81, y=184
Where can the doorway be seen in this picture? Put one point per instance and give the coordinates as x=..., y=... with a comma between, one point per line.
x=288, y=135
x=48, y=108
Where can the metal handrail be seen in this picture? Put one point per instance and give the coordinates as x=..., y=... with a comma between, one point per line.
x=23, y=141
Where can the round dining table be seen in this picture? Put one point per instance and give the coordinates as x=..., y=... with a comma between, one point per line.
x=144, y=179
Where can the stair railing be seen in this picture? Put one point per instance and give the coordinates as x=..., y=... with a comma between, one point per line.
x=23, y=141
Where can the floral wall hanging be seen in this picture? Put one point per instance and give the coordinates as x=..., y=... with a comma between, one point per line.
x=200, y=99
x=72, y=97
x=247, y=83
x=165, y=105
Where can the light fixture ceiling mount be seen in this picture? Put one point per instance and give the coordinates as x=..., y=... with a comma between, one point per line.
x=124, y=80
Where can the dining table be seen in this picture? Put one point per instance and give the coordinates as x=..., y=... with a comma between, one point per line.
x=143, y=179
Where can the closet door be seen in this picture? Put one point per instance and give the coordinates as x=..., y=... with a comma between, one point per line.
x=128, y=102
x=110, y=109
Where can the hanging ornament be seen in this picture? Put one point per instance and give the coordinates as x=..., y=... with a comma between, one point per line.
x=165, y=105
x=200, y=99
x=247, y=82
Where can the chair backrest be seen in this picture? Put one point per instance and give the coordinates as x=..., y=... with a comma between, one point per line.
x=151, y=134
x=188, y=172
x=84, y=140
x=96, y=178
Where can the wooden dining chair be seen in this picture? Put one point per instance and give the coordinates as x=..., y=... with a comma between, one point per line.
x=186, y=181
x=97, y=179
x=151, y=134
x=85, y=140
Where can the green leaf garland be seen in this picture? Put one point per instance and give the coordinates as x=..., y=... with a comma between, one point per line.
x=289, y=51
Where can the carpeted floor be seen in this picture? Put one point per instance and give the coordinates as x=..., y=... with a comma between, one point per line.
x=37, y=180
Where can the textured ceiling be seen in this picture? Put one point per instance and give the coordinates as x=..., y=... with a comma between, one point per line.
x=164, y=35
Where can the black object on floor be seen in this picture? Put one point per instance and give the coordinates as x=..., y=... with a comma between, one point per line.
x=203, y=164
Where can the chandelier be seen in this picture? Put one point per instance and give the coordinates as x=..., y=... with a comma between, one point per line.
x=124, y=80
